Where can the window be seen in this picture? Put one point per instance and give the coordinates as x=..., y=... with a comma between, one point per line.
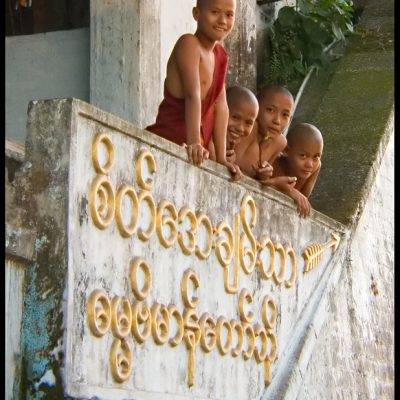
x=25, y=17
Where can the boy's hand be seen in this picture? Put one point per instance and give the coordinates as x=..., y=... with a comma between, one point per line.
x=284, y=183
x=263, y=171
x=196, y=153
x=303, y=205
x=234, y=170
x=231, y=156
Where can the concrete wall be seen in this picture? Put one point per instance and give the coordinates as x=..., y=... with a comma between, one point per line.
x=353, y=357
x=44, y=66
x=76, y=253
x=14, y=283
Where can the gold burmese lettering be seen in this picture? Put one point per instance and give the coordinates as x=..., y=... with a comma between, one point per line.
x=191, y=338
x=245, y=295
x=224, y=246
x=121, y=317
x=238, y=328
x=271, y=357
x=266, y=243
x=146, y=197
x=141, y=321
x=260, y=355
x=242, y=247
x=120, y=360
x=278, y=279
x=207, y=330
x=290, y=252
x=145, y=155
x=101, y=201
x=187, y=227
x=128, y=191
x=202, y=219
x=189, y=275
x=245, y=251
x=249, y=332
x=141, y=316
x=268, y=323
x=227, y=246
x=186, y=213
x=135, y=264
x=159, y=323
x=166, y=220
x=174, y=313
x=222, y=322
x=99, y=312
x=105, y=139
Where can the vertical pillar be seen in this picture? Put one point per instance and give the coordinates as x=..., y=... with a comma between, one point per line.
x=125, y=58
x=241, y=46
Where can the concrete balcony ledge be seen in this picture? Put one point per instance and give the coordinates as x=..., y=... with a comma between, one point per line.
x=87, y=176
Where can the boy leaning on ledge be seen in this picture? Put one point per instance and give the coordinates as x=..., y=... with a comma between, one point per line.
x=256, y=152
x=295, y=171
x=194, y=107
x=243, y=110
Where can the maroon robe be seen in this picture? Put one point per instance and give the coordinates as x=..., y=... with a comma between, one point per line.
x=170, y=121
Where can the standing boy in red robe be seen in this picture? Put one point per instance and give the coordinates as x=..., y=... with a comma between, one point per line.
x=194, y=107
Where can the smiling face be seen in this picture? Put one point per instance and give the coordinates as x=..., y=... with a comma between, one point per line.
x=275, y=113
x=243, y=109
x=304, y=152
x=215, y=18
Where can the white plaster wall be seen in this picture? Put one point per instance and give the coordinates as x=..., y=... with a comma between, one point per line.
x=353, y=358
x=176, y=19
x=14, y=279
x=99, y=259
x=43, y=66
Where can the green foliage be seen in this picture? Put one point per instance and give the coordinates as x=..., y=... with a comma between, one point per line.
x=300, y=35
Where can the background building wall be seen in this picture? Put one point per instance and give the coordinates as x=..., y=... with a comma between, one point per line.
x=44, y=66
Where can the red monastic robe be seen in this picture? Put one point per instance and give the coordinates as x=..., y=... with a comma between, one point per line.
x=170, y=121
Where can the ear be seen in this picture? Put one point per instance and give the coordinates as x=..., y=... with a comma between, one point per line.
x=195, y=13
x=285, y=151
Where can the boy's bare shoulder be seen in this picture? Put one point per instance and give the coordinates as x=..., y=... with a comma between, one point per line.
x=187, y=39
x=280, y=142
x=247, y=143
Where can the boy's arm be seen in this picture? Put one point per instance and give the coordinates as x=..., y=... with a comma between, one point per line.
x=220, y=126
x=219, y=135
x=187, y=60
x=211, y=150
x=309, y=184
x=273, y=148
x=285, y=184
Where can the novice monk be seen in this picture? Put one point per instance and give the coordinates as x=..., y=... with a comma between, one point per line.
x=256, y=152
x=296, y=170
x=243, y=110
x=194, y=107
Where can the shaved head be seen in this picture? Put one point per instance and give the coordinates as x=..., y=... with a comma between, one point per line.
x=240, y=93
x=202, y=3
x=303, y=131
x=266, y=91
